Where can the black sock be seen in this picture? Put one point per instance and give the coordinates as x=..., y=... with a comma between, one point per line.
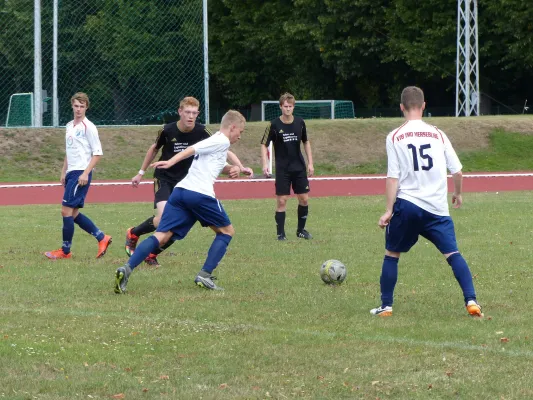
x=144, y=228
x=302, y=216
x=159, y=250
x=280, y=222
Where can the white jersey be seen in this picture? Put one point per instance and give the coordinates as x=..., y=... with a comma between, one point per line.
x=209, y=161
x=82, y=144
x=419, y=155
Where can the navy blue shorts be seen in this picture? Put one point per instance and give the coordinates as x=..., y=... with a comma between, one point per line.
x=410, y=221
x=185, y=207
x=74, y=196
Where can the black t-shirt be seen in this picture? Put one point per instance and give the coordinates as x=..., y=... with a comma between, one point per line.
x=287, y=139
x=173, y=141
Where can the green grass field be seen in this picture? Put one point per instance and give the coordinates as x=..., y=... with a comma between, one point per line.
x=276, y=331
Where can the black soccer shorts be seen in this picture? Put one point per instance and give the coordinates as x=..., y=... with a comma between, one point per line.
x=162, y=190
x=297, y=179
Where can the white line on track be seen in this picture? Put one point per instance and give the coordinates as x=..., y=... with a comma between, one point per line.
x=248, y=180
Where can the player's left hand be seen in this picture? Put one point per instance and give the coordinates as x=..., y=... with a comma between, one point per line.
x=310, y=170
x=384, y=220
x=83, y=179
x=160, y=164
x=457, y=200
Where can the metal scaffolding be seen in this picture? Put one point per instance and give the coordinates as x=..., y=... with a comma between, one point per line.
x=467, y=78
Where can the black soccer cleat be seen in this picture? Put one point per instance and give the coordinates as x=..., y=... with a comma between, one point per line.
x=303, y=234
x=282, y=237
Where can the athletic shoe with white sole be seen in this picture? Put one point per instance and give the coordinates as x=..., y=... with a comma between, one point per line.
x=382, y=311
x=206, y=283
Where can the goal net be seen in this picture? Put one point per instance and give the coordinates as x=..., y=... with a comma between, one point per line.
x=310, y=109
x=20, y=110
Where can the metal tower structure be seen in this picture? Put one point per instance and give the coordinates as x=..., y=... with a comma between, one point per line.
x=467, y=78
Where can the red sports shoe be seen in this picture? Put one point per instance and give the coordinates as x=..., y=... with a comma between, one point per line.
x=57, y=254
x=103, y=245
x=131, y=242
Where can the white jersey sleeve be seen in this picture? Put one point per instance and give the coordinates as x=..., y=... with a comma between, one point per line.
x=419, y=156
x=209, y=161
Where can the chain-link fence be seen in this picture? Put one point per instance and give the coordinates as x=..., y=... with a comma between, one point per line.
x=134, y=58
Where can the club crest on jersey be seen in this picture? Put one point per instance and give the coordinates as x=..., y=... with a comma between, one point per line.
x=173, y=140
x=70, y=141
x=281, y=131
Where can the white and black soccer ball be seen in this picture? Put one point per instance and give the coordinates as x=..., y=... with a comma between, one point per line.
x=333, y=272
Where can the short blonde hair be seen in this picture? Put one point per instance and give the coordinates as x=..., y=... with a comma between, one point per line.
x=286, y=97
x=81, y=97
x=412, y=97
x=189, y=102
x=232, y=117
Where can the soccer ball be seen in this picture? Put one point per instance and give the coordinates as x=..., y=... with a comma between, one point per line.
x=333, y=272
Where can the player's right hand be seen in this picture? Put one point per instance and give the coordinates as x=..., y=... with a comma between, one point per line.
x=266, y=172
x=136, y=180
x=62, y=179
x=384, y=220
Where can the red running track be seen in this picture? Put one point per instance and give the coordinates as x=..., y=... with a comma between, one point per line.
x=123, y=192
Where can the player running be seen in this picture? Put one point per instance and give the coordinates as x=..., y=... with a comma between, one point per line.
x=172, y=139
x=416, y=190
x=193, y=200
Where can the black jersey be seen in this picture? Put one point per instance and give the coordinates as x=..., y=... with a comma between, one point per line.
x=287, y=139
x=173, y=141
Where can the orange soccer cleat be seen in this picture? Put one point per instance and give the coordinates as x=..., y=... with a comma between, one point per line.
x=57, y=254
x=103, y=245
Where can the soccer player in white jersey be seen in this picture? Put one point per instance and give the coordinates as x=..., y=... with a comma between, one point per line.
x=193, y=200
x=416, y=190
x=83, y=151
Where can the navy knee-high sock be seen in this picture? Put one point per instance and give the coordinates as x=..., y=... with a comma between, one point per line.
x=216, y=252
x=463, y=275
x=388, y=279
x=88, y=226
x=68, y=233
x=142, y=251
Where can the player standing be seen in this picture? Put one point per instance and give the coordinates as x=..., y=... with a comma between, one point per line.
x=416, y=190
x=172, y=139
x=193, y=200
x=287, y=133
x=83, y=151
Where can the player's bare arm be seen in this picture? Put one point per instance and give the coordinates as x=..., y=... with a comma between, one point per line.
x=264, y=160
x=234, y=160
x=391, y=189
x=63, y=172
x=309, y=154
x=457, y=197
x=84, y=177
x=182, y=155
x=231, y=171
x=151, y=153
